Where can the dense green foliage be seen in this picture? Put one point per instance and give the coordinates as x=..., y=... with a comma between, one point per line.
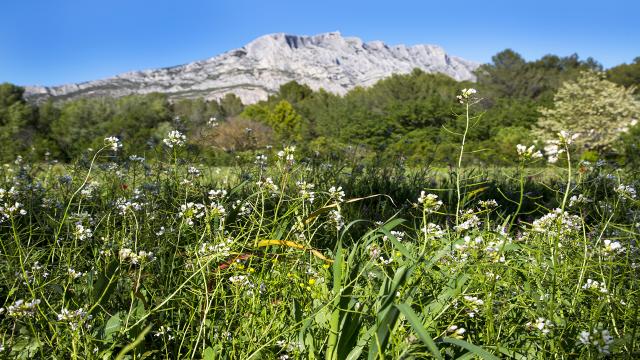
x=410, y=117
x=627, y=75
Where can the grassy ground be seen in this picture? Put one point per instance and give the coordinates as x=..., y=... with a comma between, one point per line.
x=128, y=259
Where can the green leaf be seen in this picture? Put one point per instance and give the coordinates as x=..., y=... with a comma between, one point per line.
x=478, y=351
x=113, y=326
x=420, y=330
x=134, y=343
x=209, y=354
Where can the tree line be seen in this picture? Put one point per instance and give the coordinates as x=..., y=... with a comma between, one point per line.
x=413, y=117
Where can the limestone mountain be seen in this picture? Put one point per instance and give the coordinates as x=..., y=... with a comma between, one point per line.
x=329, y=61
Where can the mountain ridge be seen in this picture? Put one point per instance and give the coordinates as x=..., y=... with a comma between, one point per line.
x=328, y=60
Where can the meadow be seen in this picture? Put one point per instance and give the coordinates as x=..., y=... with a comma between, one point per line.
x=117, y=256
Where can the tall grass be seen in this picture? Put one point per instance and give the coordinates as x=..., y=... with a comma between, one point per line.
x=120, y=258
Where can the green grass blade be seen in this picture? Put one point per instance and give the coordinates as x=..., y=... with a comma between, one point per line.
x=478, y=351
x=421, y=331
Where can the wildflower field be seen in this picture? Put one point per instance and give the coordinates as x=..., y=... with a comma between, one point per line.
x=114, y=256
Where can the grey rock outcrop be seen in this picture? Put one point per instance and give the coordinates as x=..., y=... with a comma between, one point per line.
x=329, y=61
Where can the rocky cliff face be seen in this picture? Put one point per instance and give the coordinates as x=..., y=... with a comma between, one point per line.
x=329, y=61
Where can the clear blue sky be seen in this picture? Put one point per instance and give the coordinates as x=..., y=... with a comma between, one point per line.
x=51, y=42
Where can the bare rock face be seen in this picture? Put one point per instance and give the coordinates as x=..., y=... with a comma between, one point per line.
x=329, y=61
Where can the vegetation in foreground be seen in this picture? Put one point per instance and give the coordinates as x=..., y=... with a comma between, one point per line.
x=120, y=257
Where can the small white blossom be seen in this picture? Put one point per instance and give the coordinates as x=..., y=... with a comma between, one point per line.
x=74, y=274
x=456, y=332
x=600, y=339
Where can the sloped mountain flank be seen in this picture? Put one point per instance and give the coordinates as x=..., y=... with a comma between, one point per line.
x=329, y=61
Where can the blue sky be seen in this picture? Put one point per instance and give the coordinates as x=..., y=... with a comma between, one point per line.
x=51, y=42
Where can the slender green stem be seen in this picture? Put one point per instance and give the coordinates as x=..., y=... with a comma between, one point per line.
x=459, y=169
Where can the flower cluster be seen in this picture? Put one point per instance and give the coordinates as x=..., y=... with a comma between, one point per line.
x=626, y=191
x=469, y=221
x=529, y=153
x=466, y=94
x=9, y=210
x=242, y=207
x=112, y=143
x=213, y=122
x=73, y=274
x=488, y=204
x=268, y=185
x=222, y=249
x=287, y=154
x=600, y=339
x=456, y=332
x=557, y=222
x=579, y=200
x=336, y=194
x=81, y=232
x=336, y=219
x=429, y=202
x=217, y=209
x=473, y=303
x=136, y=158
x=261, y=161
x=217, y=194
x=162, y=331
x=128, y=255
x=492, y=249
x=174, y=138
x=305, y=190
x=554, y=148
x=193, y=171
x=89, y=189
x=37, y=271
x=190, y=211
x=433, y=231
x=541, y=324
x=73, y=318
x=123, y=205
x=595, y=286
x=20, y=308
x=612, y=247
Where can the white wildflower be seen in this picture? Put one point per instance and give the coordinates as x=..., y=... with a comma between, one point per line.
x=541, y=324
x=529, y=153
x=113, y=143
x=612, y=247
x=626, y=191
x=336, y=194
x=175, y=138
x=595, y=285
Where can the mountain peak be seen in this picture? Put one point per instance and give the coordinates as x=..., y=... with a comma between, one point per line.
x=327, y=60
